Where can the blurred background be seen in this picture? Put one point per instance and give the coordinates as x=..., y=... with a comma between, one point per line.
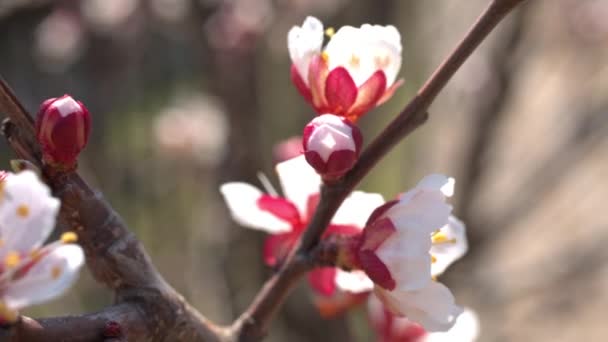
x=188, y=94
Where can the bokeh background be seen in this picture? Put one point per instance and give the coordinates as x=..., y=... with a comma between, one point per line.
x=187, y=94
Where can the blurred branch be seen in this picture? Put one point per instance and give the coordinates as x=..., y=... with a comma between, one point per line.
x=487, y=116
x=590, y=131
x=253, y=323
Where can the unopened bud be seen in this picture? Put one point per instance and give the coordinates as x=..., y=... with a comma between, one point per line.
x=62, y=129
x=331, y=145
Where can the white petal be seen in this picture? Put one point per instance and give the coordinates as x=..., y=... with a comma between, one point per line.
x=303, y=43
x=299, y=181
x=363, y=51
x=27, y=213
x=49, y=278
x=356, y=208
x=446, y=253
x=433, y=306
x=466, y=329
x=409, y=272
x=354, y=281
x=242, y=200
x=425, y=211
x=437, y=182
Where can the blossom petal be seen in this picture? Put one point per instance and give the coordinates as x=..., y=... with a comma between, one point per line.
x=466, y=329
x=425, y=211
x=280, y=208
x=317, y=76
x=304, y=42
x=356, y=208
x=453, y=248
x=376, y=269
x=353, y=281
x=27, y=213
x=363, y=51
x=47, y=279
x=368, y=95
x=433, y=306
x=276, y=247
x=389, y=92
x=301, y=84
x=299, y=181
x=242, y=200
x=323, y=280
x=340, y=91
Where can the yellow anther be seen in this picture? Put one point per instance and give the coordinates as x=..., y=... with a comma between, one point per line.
x=7, y=314
x=433, y=259
x=329, y=32
x=23, y=211
x=55, y=272
x=69, y=237
x=354, y=61
x=12, y=259
x=382, y=62
x=440, y=238
x=325, y=56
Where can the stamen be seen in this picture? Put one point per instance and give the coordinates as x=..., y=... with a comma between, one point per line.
x=325, y=56
x=23, y=211
x=7, y=314
x=69, y=237
x=354, y=61
x=330, y=31
x=55, y=272
x=267, y=185
x=433, y=259
x=440, y=238
x=12, y=259
x=382, y=62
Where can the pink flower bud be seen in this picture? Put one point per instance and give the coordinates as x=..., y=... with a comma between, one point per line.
x=331, y=145
x=62, y=129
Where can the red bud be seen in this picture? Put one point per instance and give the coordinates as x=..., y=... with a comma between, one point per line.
x=62, y=129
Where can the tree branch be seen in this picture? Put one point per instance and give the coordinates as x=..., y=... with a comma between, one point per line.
x=253, y=323
x=114, y=256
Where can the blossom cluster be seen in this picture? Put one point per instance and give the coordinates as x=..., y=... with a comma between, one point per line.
x=392, y=249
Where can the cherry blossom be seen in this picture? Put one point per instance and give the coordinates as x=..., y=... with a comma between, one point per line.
x=31, y=273
x=285, y=218
x=355, y=72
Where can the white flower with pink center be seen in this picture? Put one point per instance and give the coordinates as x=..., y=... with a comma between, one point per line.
x=355, y=72
x=286, y=218
x=400, y=244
